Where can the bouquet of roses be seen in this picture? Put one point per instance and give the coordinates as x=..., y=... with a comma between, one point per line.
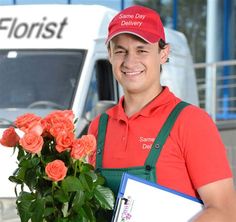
x=54, y=181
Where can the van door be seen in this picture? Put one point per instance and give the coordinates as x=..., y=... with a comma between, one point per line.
x=102, y=93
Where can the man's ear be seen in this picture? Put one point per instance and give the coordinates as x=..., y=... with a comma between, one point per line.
x=164, y=54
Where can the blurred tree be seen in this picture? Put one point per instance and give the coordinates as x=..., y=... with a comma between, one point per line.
x=154, y=4
x=191, y=21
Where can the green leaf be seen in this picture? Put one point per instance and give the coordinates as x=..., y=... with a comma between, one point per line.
x=86, y=181
x=48, y=199
x=25, y=161
x=87, y=213
x=93, y=175
x=77, y=218
x=105, y=197
x=21, y=174
x=70, y=184
x=43, y=186
x=14, y=179
x=34, y=162
x=78, y=200
x=30, y=178
x=25, y=196
x=48, y=211
x=100, y=180
x=30, y=163
x=61, y=196
x=63, y=220
x=21, y=154
x=24, y=202
x=85, y=167
x=37, y=208
x=23, y=211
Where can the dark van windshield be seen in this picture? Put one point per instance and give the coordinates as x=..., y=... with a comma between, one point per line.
x=39, y=78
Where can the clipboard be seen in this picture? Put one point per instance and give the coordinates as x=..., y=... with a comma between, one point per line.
x=140, y=200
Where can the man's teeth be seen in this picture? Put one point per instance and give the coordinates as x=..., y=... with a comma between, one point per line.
x=132, y=73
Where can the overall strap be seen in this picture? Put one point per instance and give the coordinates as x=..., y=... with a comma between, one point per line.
x=162, y=136
x=101, y=138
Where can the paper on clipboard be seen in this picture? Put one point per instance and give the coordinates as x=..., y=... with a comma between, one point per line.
x=141, y=200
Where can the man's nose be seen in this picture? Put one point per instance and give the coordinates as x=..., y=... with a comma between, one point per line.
x=130, y=60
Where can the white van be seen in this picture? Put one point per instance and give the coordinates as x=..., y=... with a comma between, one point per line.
x=54, y=57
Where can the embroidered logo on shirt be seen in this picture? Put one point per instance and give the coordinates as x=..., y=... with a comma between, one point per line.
x=146, y=142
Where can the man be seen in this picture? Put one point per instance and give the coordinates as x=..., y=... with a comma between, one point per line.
x=187, y=154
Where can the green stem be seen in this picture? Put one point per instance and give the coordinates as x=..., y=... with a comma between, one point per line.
x=54, y=184
x=75, y=171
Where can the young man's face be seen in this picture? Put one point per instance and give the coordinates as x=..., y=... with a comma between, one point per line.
x=136, y=64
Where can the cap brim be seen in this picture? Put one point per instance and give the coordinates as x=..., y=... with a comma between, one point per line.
x=147, y=37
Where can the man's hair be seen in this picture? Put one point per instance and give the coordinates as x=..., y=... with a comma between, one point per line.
x=162, y=44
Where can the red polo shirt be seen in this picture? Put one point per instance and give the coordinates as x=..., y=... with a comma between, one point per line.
x=192, y=156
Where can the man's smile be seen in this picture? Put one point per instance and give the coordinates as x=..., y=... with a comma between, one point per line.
x=134, y=73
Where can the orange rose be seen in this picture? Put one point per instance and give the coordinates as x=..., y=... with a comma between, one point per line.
x=58, y=121
x=83, y=147
x=64, y=141
x=61, y=125
x=89, y=143
x=65, y=114
x=35, y=127
x=29, y=122
x=9, y=138
x=78, y=150
x=56, y=170
x=32, y=142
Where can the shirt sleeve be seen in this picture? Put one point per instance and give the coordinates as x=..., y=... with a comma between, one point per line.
x=93, y=127
x=203, y=149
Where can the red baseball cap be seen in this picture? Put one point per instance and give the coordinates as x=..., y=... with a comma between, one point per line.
x=137, y=20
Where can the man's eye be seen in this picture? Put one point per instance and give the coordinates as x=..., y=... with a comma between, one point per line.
x=142, y=51
x=119, y=52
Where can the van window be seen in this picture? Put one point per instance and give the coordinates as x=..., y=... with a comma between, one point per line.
x=39, y=78
x=105, y=80
x=102, y=87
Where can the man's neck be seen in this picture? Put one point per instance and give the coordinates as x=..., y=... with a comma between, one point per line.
x=133, y=103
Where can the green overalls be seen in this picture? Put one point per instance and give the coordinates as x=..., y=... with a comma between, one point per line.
x=148, y=171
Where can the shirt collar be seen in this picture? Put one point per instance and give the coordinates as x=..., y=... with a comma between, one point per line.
x=117, y=112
